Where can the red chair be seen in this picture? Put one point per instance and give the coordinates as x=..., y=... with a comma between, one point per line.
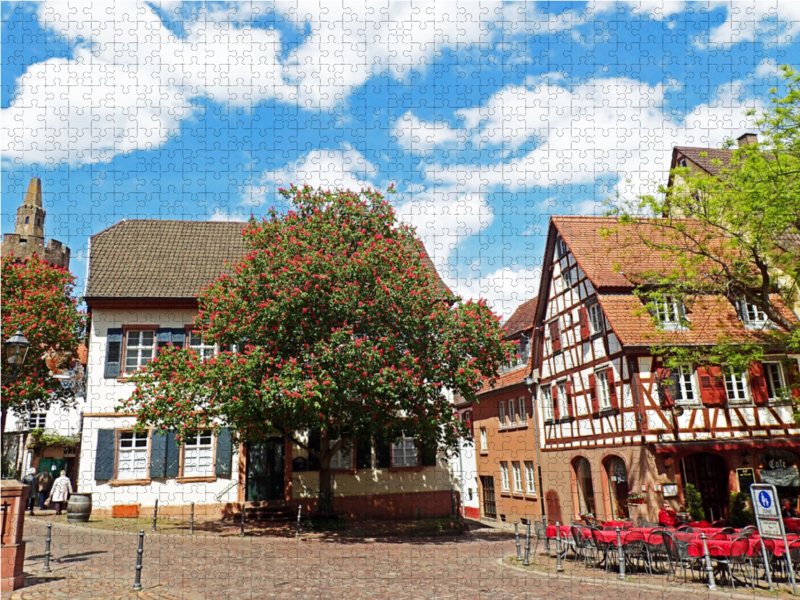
x=633, y=547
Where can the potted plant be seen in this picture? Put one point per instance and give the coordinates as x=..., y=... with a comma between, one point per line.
x=694, y=503
x=635, y=498
x=587, y=517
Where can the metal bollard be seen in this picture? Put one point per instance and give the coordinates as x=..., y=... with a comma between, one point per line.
x=155, y=515
x=299, y=512
x=559, y=566
x=137, y=582
x=712, y=585
x=241, y=532
x=191, y=520
x=621, y=554
x=47, y=537
x=546, y=539
x=516, y=538
x=527, y=544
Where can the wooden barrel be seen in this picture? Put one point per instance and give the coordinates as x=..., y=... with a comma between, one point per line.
x=79, y=508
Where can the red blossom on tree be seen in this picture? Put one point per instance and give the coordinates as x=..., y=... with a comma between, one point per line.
x=340, y=327
x=37, y=300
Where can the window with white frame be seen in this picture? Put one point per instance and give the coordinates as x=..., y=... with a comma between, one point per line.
x=512, y=412
x=504, y=483
x=201, y=346
x=517, y=476
x=595, y=318
x=343, y=459
x=773, y=373
x=547, y=402
x=198, y=455
x=566, y=278
x=484, y=442
x=139, y=347
x=37, y=420
x=735, y=386
x=603, y=391
x=522, y=415
x=563, y=400
x=683, y=385
x=404, y=453
x=501, y=413
x=530, y=485
x=562, y=247
x=752, y=315
x=668, y=310
x=132, y=461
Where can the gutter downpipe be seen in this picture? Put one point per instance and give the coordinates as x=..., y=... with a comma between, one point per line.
x=529, y=385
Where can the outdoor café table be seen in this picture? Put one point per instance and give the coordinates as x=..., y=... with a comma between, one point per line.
x=722, y=548
x=792, y=525
x=615, y=524
x=566, y=532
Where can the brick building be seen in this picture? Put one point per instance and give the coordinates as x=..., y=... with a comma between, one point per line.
x=505, y=431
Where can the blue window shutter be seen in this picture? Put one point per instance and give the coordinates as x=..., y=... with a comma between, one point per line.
x=224, y=453
x=113, y=353
x=179, y=338
x=105, y=456
x=173, y=456
x=163, y=337
x=158, y=455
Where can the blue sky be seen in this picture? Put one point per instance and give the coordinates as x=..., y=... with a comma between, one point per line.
x=487, y=117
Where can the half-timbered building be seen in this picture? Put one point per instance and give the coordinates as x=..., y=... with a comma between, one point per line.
x=620, y=433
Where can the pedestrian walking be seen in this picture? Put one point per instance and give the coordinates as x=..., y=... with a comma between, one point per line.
x=45, y=481
x=62, y=488
x=31, y=480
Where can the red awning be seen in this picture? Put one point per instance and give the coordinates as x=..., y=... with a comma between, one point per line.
x=727, y=445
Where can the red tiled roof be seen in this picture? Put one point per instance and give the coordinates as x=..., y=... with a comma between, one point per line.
x=505, y=380
x=614, y=255
x=709, y=318
x=706, y=157
x=522, y=318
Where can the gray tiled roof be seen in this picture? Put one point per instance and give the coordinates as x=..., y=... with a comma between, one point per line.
x=146, y=258
x=705, y=157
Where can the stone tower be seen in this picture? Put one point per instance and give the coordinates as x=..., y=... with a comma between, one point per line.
x=28, y=236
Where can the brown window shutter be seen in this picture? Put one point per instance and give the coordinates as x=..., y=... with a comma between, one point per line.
x=555, y=336
x=792, y=370
x=593, y=394
x=583, y=317
x=554, y=392
x=662, y=374
x=758, y=385
x=570, y=408
x=712, y=387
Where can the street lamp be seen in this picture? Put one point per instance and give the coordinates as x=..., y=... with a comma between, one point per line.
x=15, y=349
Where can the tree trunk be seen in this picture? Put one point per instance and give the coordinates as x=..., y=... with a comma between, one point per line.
x=325, y=504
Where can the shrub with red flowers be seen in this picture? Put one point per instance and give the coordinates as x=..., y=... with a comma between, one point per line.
x=334, y=323
x=37, y=300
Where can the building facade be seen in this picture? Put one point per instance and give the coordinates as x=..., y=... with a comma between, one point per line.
x=142, y=296
x=509, y=479
x=625, y=432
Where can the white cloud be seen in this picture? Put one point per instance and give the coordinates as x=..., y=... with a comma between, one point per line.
x=340, y=168
x=770, y=22
x=421, y=137
x=656, y=10
x=504, y=289
x=767, y=68
x=224, y=215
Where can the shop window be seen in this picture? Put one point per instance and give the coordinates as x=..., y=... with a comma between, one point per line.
x=780, y=468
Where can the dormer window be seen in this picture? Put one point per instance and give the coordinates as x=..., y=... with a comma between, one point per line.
x=683, y=163
x=669, y=310
x=752, y=315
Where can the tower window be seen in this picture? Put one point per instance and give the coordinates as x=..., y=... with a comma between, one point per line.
x=27, y=220
x=38, y=223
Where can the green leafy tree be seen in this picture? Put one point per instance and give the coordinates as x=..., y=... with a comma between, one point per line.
x=733, y=236
x=37, y=300
x=340, y=327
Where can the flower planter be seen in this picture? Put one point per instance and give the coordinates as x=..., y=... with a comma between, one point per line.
x=125, y=511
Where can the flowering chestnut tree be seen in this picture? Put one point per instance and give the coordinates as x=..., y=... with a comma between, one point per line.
x=332, y=321
x=37, y=300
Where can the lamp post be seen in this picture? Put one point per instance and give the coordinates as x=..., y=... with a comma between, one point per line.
x=15, y=351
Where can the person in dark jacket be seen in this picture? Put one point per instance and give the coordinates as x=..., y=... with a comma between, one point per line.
x=31, y=480
x=45, y=480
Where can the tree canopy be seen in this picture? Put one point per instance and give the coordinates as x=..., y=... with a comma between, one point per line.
x=37, y=300
x=335, y=321
x=734, y=234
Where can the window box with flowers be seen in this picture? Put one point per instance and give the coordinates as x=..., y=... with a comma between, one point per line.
x=635, y=498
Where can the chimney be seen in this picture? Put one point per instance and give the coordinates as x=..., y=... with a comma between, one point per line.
x=747, y=139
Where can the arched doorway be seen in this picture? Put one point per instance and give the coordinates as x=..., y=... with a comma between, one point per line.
x=584, y=486
x=709, y=474
x=617, y=476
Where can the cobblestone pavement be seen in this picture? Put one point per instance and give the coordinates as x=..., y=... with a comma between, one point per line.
x=94, y=563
